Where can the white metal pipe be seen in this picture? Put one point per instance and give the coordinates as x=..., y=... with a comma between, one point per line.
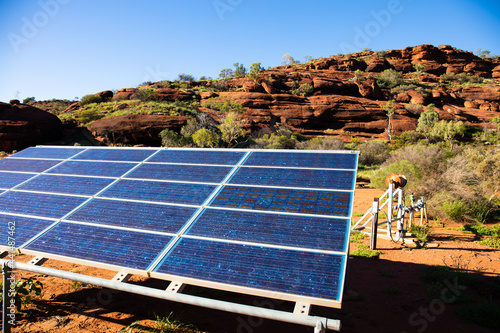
x=332, y=324
x=389, y=208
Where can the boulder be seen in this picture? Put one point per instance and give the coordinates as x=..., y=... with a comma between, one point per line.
x=496, y=72
x=488, y=93
x=136, y=129
x=14, y=102
x=171, y=95
x=124, y=94
x=22, y=126
x=378, y=64
x=105, y=95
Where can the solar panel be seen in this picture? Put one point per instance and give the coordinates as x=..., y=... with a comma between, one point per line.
x=269, y=223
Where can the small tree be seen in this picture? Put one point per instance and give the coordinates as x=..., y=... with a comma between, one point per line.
x=448, y=130
x=390, y=108
x=185, y=77
x=170, y=138
x=254, y=71
x=288, y=60
x=28, y=100
x=231, y=128
x=226, y=73
x=419, y=68
x=427, y=120
x=205, y=138
x=239, y=70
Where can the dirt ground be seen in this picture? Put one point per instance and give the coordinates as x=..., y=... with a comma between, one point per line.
x=382, y=295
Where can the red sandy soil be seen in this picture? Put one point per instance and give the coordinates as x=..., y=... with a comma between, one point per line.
x=382, y=295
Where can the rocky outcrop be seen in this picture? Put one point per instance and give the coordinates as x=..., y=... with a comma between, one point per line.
x=136, y=129
x=23, y=125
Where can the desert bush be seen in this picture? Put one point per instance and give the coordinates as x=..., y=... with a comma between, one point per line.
x=146, y=94
x=284, y=138
x=390, y=78
x=302, y=90
x=185, y=77
x=170, y=138
x=462, y=78
x=223, y=105
x=205, y=138
x=230, y=128
x=454, y=184
x=322, y=143
x=414, y=108
x=373, y=153
x=89, y=99
x=407, y=87
x=28, y=100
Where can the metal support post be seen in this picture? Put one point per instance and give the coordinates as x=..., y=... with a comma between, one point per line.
x=7, y=304
x=390, y=197
x=373, y=244
x=400, y=216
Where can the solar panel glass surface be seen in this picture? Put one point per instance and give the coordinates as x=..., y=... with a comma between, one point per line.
x=280, y=224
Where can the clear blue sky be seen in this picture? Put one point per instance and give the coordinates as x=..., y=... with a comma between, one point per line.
x=69, y=48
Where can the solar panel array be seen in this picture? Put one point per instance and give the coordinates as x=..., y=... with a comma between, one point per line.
x=272, y=223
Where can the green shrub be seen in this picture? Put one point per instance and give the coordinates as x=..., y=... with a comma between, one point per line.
x=491, y=242
x=322, y=143
x=364, y=252
x=170, y=138
x=205, y=138
x=88, y=115
x=373, y=152
x=146, y=94
x=414, y=108
x=390, y=78
x=462, y=78
x=223, y=105
x=89, y=99
x=407, y=87
x=302, y=90
x=28, y=100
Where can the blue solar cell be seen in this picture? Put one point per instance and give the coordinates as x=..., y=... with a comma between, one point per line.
x=303, y=159
x=9, y=179
x=285, y=200
x=36, y=204
x=26, y=165
x=118, y=154
x=112, y=246
x=200, y=156
x=297, y=272
x=304, y=178
x=24, y=229
x=298, y=231
x=191, y=194
x=191, y=173
x=46, y=152
x=143, y=216
x=84, y=168
x=66, y=184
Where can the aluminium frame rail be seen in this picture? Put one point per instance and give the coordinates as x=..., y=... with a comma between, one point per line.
x=320, y=324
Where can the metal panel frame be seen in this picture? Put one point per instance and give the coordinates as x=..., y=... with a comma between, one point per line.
x=185, y=280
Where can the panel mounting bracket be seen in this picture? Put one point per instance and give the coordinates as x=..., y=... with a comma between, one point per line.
x=302, y=308
x=121, y=277
x=175, y=287
x=37, y=261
